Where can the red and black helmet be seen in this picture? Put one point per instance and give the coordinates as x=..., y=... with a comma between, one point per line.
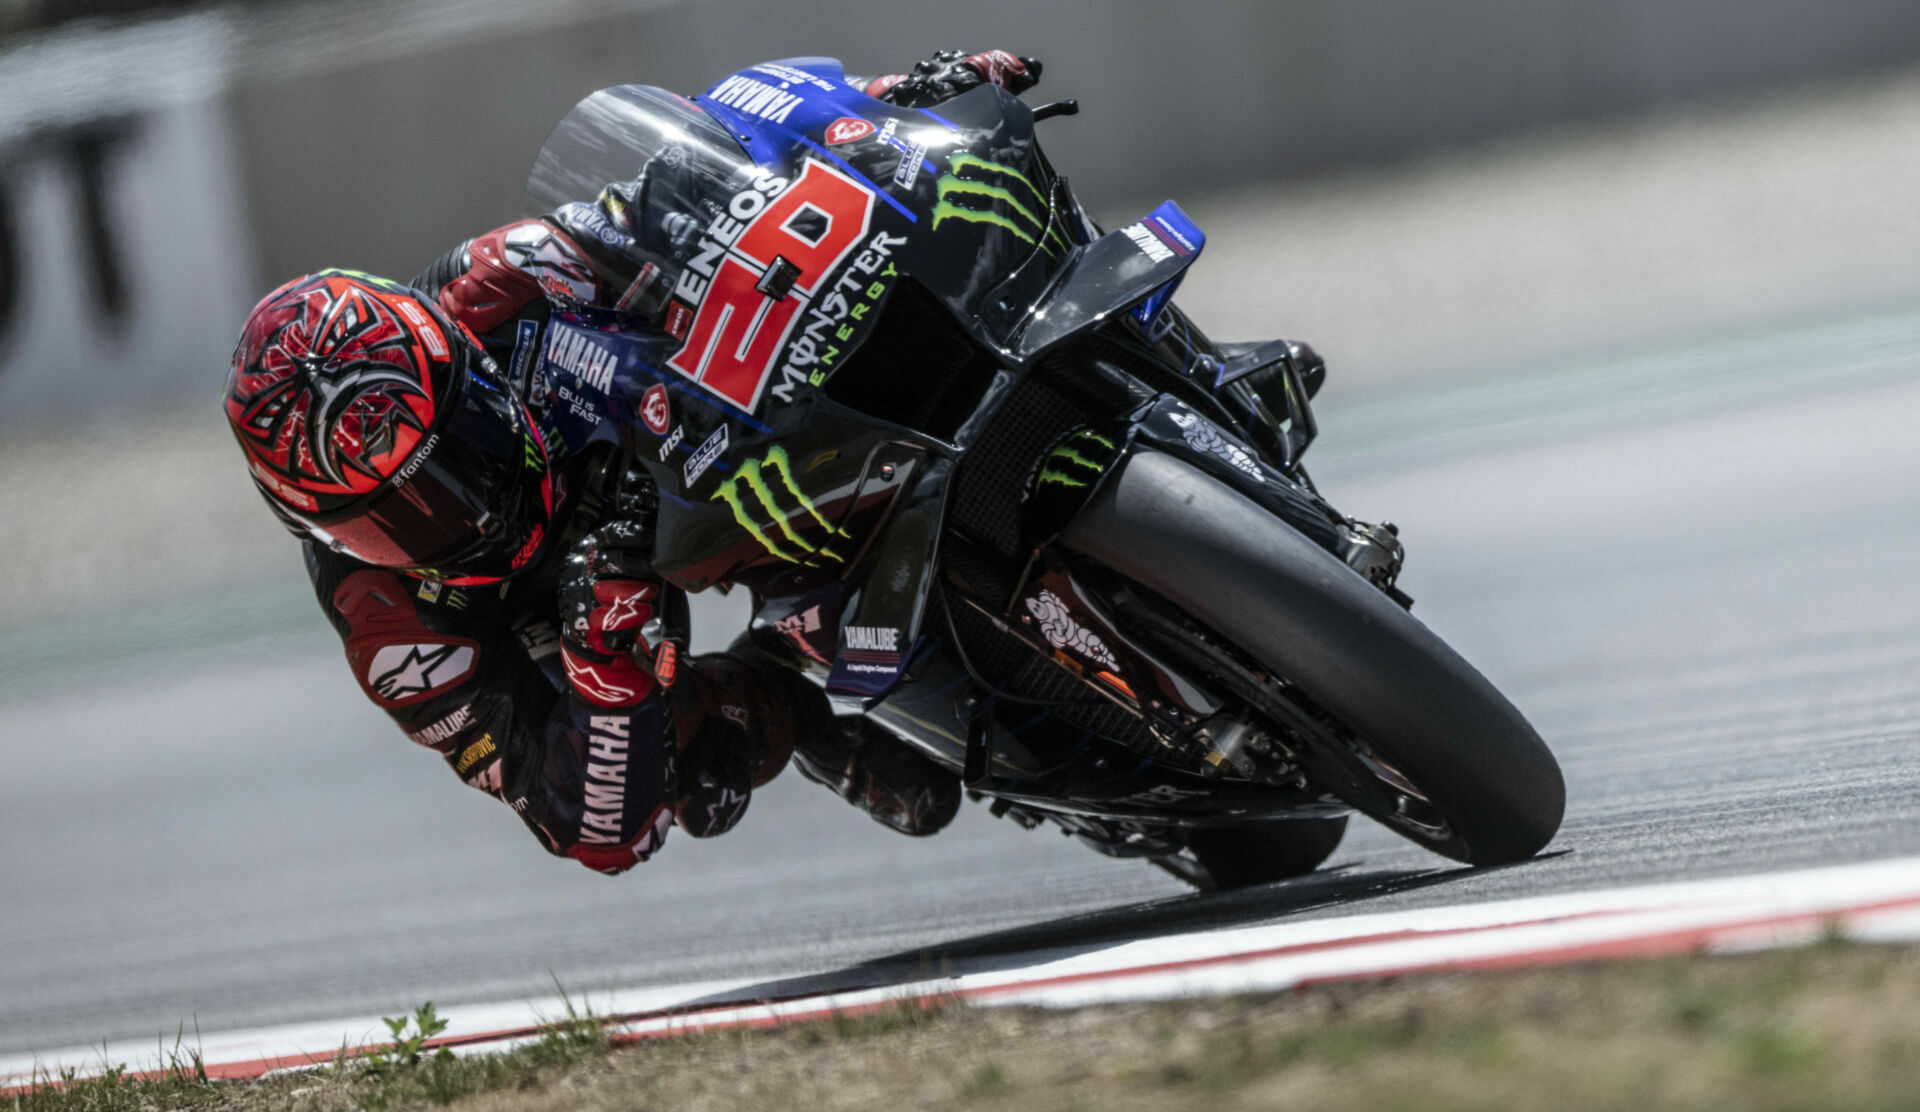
x=378, y=427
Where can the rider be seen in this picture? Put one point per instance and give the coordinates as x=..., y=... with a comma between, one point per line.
x=499, y=601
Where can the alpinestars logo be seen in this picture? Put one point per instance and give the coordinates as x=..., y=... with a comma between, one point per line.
x=747, y=493
x=982, y=192
x=401, y=672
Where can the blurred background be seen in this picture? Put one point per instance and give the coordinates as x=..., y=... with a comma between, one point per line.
x=1566, y=214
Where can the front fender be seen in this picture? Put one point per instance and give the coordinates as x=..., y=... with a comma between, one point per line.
x=1080, y=463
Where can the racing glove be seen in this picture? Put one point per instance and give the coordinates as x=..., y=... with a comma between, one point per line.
x=949, y=73
x=607, y=596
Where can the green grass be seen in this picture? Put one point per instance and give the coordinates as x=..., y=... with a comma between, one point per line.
x=398, y=1074
x=1830, y=1025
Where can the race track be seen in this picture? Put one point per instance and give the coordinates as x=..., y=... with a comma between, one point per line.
x=1691, y=568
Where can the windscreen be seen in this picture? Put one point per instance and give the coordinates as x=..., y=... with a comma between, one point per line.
x=635, y=174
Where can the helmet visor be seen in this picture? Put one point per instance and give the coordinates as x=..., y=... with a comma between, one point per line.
x=470, y=506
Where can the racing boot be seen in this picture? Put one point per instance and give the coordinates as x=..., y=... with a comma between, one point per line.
x=870, y=768
x=735, y=728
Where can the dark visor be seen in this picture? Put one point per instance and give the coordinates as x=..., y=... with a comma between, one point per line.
x=467, y=502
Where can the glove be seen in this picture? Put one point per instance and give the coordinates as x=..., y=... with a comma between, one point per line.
x=607, y=596
x=949, y=73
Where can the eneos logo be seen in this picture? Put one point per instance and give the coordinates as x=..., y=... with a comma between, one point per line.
x=757, y=267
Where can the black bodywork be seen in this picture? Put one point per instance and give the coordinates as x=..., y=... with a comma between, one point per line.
x=893, y=507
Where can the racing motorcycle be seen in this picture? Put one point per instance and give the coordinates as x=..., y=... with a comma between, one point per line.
x=993, y=490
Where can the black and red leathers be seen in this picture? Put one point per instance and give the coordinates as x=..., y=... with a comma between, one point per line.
x=561, y=691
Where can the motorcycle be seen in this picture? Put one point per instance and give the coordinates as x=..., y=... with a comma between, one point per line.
x=994, y=491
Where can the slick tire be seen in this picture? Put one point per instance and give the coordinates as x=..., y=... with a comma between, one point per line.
x=1261, y=853
x=1362, y=661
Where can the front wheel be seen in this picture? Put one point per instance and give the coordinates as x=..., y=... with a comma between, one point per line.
x=1414, y=736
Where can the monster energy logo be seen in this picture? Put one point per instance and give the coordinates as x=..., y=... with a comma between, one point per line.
x=1061, y=464
x=982, y=192
x=791, y=547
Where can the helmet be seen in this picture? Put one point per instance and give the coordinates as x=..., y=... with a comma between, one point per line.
x=374, y=425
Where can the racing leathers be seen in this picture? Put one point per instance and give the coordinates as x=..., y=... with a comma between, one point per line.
x=562, y=691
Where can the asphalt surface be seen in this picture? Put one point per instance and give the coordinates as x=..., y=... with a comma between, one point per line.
x=1691, y=568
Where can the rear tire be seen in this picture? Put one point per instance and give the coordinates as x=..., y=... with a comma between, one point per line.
x=1351, y=651
x=1264, y=852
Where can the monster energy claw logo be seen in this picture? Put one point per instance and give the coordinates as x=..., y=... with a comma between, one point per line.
x=982, y=192
x=790, y=545
x=1066, y=466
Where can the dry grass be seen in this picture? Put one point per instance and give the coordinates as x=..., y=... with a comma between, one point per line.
x=1830, y=1026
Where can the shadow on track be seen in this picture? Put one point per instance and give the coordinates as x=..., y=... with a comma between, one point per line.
x=1075, y=934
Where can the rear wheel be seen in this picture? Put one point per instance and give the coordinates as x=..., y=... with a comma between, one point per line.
x=1394, y=721
x=1261, y=853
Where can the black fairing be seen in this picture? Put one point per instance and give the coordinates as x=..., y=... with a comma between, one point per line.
x=925, y=403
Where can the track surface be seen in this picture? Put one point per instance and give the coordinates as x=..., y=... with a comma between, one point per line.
x=1692, y=570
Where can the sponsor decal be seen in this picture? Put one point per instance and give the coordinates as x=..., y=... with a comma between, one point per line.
x=1062, y=632
x=552, y=261
x=1201, y=434
x=526, y=342
x=604, y=788
x=666, y=663
x=913, y=155
x=751, y=498
x=628, y=610
x=442, y=731
x=977, y=191
x=575, y=352
x=703, y=457
x=758, y=265
x=403, y=672
x=834, y=322
x=429, y=331
x=736, y=714
x=795, y=627
x=679, y=319
x=418, y=460
x=870, y=649
x=587, y=219
x=755, y=98
x=594, y=685
x=848, y=129
x=1148, y=243
x=429, y=590
x=655, y=410
x=475, y=753
x=1066, y=466
x=673, y=441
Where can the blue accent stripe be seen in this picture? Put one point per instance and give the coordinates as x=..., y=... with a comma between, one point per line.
x=851, y=172
x=937, y=116
x=680, y=386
